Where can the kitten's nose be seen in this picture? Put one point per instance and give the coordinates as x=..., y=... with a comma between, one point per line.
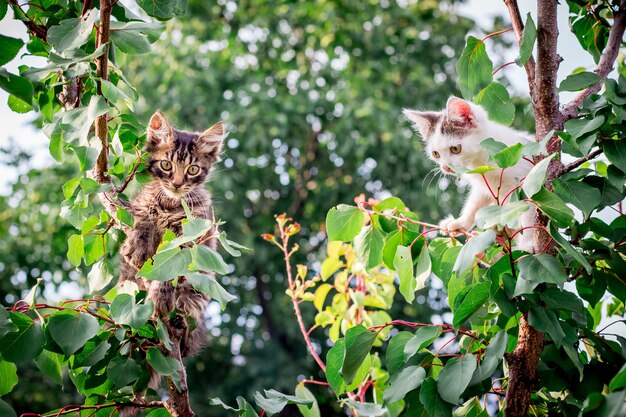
x=447, y=168
x=177, y=185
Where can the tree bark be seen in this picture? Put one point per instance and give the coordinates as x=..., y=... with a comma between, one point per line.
x=522, y=364
x=523, y=361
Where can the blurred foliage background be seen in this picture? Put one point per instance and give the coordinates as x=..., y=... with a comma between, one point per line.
x=312, y=92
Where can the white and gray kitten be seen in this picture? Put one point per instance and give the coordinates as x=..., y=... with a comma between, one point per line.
x=452, y=139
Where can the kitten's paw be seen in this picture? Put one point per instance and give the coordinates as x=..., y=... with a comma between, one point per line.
x=452, y=226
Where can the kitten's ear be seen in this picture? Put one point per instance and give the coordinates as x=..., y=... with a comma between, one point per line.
x=159, y=131
x=460, y=112
x=210, y=141
x=423, y=121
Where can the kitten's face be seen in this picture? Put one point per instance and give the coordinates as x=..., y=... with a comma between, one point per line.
x=452, y=136
x=181, y=161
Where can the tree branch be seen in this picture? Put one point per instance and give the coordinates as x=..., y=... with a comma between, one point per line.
x=605, y=65
x=578, y=162
x=178, y=403
x=102, y=67
x=518, y=27
x=546, y=102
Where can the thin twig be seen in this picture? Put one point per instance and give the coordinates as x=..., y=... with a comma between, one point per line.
x=605, y=65
x=578, y=162
x=518, y=27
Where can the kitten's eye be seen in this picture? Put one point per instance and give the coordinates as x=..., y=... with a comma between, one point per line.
x=193, y=169
x=436, y=154
x=455, y=149
x=166, y=165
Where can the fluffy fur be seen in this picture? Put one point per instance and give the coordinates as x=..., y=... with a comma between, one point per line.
x=158, y=207
x=452, y=139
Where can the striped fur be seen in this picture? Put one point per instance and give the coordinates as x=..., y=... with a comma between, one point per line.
x=158, y=208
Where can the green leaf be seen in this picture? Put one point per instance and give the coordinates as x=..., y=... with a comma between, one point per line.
x=166, y=265
x=615, y=151
x=546, y=321
x=15, y=85
x=10, y=48
x=208, y=260
x=536, y=177
x=579, y=127
x=580, y=194
x=432, y=401
x=508, y=215
x=400, y=237
x=159, y=412
x=93, y=352
x=358, y=343
x=557, y=299
x=163, y=365
x=63, y=62
x=8, y=377
x=95, y=247
x=403, y=264
x=391, y=205
x=125, y=217
x=481, y=170
x=208, y=285
x=344, y=222
x=455, y=377
x=244, y=409
x=423, y=337
x=474, y=68
x=564, y=243
x=51, y=365
x=26, y=343
x=491, y=359
x=407, y=380
x=6, y=325
x=473, y=247
x=619, y=380
x=396, y=351
x=423, y=268
x=163, y=9
x=18, y=105
x=312, y=410
x=123, y=371
x=86, y=156
x=537, y=269
x=72, y=33
x=75, y=249
x=469, y=300
x=6, y=410
x=495, y=99
x=366, y=409
x=553, y=207
x=334, y=361
x=509, y=156
x=125, y=311
x=273, y=402
x=492, y=146
x=130, y=42
x=71, y=330
x=368, y=245
x=529, y=36
x=100, y=275
x=579, y=81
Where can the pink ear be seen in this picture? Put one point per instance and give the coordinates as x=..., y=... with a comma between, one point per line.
x=159, y=131
x=460, y=112
x=210, y=141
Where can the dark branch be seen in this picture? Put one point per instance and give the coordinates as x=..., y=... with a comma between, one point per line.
x=605, y=65
x=578, y=162
x=518, y=27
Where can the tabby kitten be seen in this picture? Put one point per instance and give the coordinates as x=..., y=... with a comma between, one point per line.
x=452, y=139
x=179, y=163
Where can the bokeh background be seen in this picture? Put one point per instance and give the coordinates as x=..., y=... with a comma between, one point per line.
x=312, y=92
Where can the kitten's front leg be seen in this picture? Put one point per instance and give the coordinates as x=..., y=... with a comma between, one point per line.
x=465, y=222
